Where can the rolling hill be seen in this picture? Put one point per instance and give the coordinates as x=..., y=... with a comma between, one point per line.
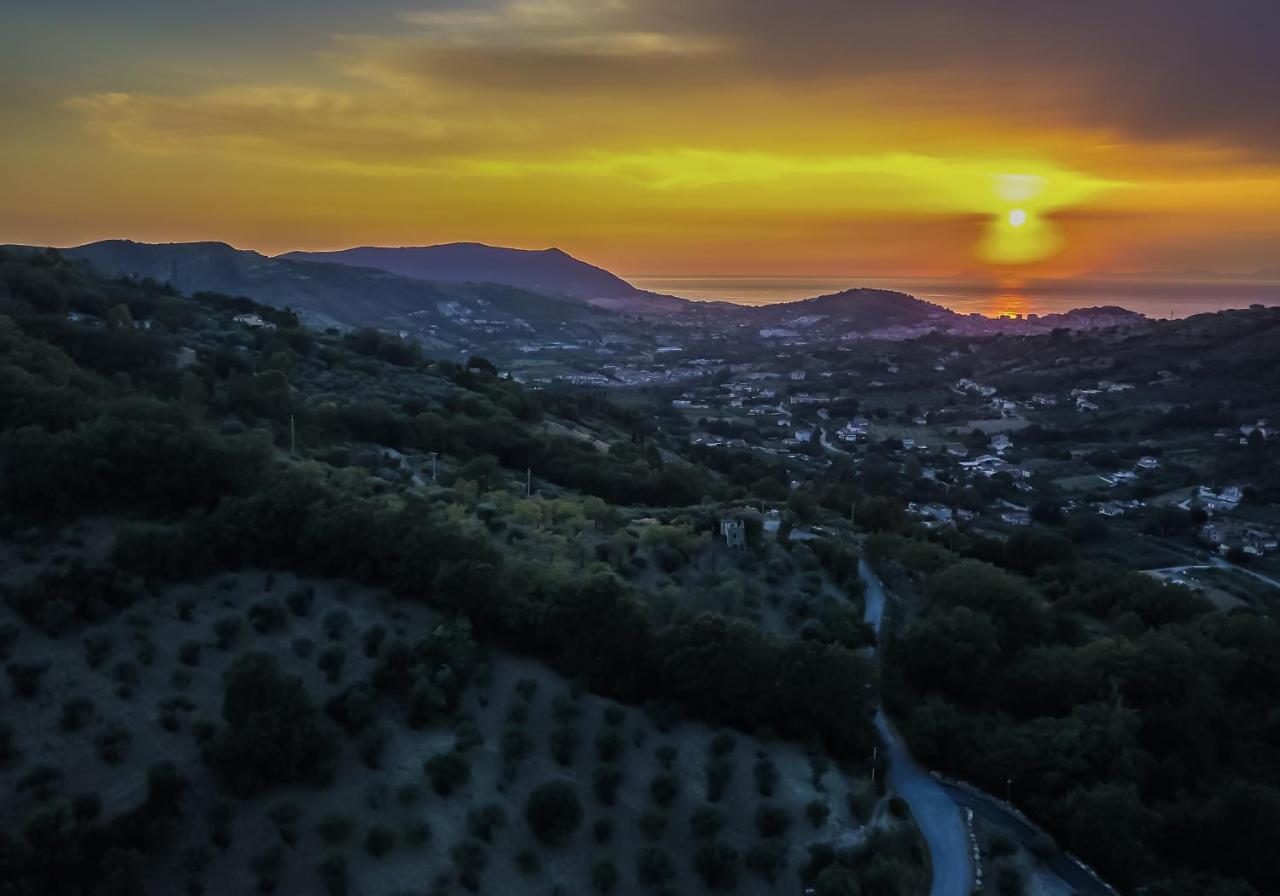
x=444, y=316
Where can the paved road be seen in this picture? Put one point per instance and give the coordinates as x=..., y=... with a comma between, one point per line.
x=992, y=810
x=936, y=806
x=936, y=814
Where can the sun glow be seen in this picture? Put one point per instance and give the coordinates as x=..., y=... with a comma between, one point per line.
x=1017, y=218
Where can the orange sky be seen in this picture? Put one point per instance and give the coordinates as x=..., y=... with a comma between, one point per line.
x=654, y=137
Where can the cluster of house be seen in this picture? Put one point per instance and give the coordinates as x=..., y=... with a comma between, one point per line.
x=966, y=386
x=856, y=430
x=1226, y=536
x=935, y=516
x=253, y=320
x=1214, y=502
x=1118, y=508
x=1244, y=432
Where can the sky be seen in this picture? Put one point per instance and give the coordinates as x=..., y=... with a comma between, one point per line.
x=658, y=137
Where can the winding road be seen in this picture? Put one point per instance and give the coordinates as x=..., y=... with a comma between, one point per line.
x=936, y=813
x=937, y=806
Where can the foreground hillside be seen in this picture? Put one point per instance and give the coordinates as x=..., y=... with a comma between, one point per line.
x=291, y=610
x=186, y=483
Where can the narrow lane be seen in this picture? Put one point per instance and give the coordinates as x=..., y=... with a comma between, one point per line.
x=937, y=806
x=936, y=814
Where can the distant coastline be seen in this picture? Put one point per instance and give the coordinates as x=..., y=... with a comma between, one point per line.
x=1154, y=298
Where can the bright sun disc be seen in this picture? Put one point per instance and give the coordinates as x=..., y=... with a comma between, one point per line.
x=1017, y=218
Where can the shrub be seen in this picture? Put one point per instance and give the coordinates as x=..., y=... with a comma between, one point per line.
x=526, y=688
x=226, y=631
x=300, y=600
x=189, y=653
x=564, y=743
x=717, y=865
x=303, y=647
x=416, y=833
x=836, y=880
x=609, y=745
x=706, y=822
x=466, y=735
x=26, y=677
x=336, y=624
x=653, y=825
x=9, y=752
x=766, y=774
x=517, y=714
x=772, y=821
x=373, y=742
x=330, y=662
x=334, y=876
x=127, y=677
x=334, y=828
x=527, y=862
x=604, y=876
x=766, y=860
x=42, y=782
x=372, y=639
x=604, y=782
x=666, y=756
x=654, y=867
x=267, y=617
x=448, y=771
x=515, y=746
x=723, y=744
x=164, y=787
x=112, y=743
x=719, y=774
x=97, y=649
x=379, y=840
x=9, y=633
x=146, y=654
x=602, y=831
x=266, y=868
x=664, y=788
x=469, y=858
x=86, y=807
x=485, y=821
x=285, y=818
x=426, y=702
x=76, y=711
x=273, y=734
x=553, y=812
x=220, y=817
x=817, y=812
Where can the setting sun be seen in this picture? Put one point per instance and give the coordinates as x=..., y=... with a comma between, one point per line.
x=1017, y=218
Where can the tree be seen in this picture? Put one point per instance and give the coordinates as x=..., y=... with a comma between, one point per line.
x=553, y=812
x=836, y=880
x=448, y=771
x=654, y=867
x=273, y=734
x=717, y=865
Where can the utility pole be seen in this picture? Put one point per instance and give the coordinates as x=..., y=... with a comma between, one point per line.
x=528, y=483
x=293, y=442
x=433, y=466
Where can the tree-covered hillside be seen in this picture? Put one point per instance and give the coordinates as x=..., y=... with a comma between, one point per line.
x=152, y=442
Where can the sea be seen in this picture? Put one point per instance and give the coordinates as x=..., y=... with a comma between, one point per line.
x=1154, y=298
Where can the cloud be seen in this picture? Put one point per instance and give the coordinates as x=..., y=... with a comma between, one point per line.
x=361, y=133
x=1181, y=70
